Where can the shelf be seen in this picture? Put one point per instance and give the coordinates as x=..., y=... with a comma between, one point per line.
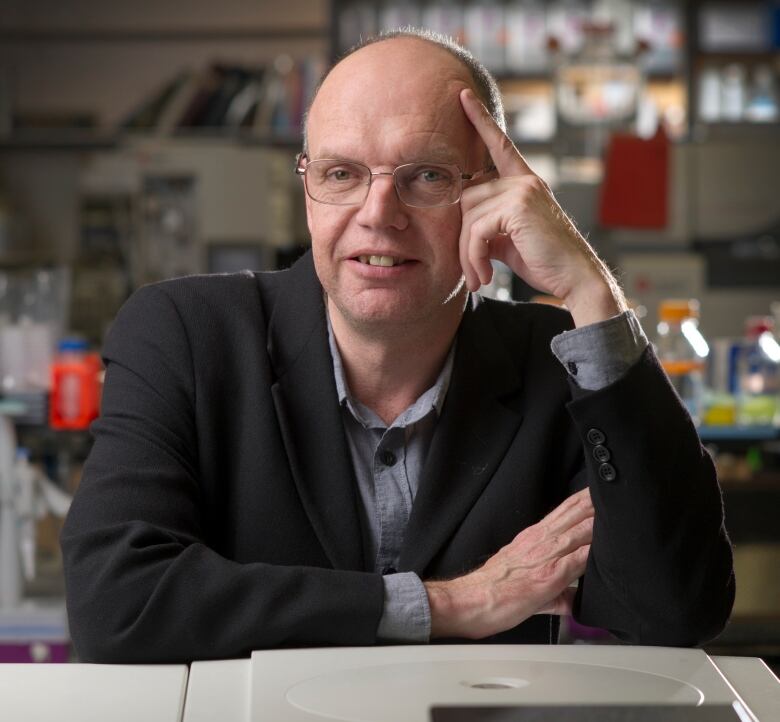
x=68, y=139
x=78, y=140
x=114, y=35
x=758, y=483
x=739, y=433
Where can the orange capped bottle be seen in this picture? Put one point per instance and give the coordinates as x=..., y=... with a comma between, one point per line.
x=683, y=351
x=75, y=386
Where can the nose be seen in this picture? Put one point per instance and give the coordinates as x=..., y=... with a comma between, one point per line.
x=382, y=207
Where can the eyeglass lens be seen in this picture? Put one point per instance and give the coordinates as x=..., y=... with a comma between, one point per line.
x=418, y=184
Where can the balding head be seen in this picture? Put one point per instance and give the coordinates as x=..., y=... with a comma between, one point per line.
x=404, y=53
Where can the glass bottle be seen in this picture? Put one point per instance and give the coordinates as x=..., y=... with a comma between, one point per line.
x=758, y=374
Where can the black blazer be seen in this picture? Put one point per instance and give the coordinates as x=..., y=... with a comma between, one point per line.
x=218, y=512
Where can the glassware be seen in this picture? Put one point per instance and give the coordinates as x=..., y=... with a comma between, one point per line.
x=682, y=351
x=758, y=374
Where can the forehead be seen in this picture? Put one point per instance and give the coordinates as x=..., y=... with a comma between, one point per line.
x=392, y=101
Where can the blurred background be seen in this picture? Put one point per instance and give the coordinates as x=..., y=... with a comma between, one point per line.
x=145, y=140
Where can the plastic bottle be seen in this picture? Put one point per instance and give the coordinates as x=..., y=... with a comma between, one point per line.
x=75, y=386
x=758, y=374
x=682, y=351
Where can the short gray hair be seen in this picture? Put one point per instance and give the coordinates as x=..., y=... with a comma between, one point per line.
x=485, y=85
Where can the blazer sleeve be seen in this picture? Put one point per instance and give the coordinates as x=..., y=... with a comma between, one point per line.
x=660, y=569
x=141, y=583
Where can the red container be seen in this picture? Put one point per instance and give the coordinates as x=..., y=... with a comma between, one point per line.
x=75, y=386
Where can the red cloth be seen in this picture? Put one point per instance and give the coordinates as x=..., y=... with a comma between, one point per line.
x=635, y=188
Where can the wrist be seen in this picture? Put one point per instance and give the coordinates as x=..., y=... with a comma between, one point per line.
x=454, y=606
x=596, y=301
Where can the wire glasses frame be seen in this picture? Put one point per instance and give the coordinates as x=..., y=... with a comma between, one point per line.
x=348, y=182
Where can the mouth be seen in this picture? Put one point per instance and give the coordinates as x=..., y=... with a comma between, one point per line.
x=384, y=261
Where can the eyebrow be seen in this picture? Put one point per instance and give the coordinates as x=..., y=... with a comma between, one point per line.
x=434, y=154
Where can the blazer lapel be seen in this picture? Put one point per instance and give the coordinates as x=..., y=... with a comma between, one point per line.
x=477, y=425
x=310, y=418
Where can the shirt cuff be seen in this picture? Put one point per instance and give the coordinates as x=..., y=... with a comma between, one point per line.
x=600, y=353
x=407, y=615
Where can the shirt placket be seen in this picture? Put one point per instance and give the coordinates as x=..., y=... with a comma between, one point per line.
x=393, y=497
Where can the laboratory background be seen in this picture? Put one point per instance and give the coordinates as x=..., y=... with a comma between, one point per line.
x=146, y=140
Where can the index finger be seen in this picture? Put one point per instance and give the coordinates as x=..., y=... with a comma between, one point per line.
x=506, y=157
x=571, y=511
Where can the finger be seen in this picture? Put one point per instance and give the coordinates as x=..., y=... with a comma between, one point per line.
x=506, y=157
x=486, y=220
x=561, y=605
x=579, y=535
x=570, y=512
x=473, y=196
x=478, y=228
x=568, y=570
x=573, y=565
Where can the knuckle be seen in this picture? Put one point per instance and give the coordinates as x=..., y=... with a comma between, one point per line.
x=535, y=184
x=506, y=145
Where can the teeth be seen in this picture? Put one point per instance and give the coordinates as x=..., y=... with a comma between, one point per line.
x=379, y=260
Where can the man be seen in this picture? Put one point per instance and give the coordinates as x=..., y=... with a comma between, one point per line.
x=358, y=450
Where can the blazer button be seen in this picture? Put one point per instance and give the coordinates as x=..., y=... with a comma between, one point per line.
x=607, y=472
x=601, y=453
x=596, y=437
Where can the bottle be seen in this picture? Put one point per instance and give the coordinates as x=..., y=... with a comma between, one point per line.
x=733, y=92
x=25, y=511
x=758, y=374
x=75, y=386
x=682, y=351
x=763, y=104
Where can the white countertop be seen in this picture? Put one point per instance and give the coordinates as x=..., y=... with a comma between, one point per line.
x=92, y=693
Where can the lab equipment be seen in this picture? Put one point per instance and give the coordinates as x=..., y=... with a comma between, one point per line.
x=75, y=386
x=682, y=351
x=758, y=374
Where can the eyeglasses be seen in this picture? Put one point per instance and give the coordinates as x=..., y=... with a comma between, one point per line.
x=420, y=185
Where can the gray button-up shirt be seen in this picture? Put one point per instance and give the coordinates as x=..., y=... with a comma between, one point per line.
x=388, y=460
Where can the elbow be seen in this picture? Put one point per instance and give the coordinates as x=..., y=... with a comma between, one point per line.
x=693, y=621
x=98, y=633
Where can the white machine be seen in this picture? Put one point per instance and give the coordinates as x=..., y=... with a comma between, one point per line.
x=401, y=684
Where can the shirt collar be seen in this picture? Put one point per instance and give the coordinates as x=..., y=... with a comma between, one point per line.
x=430, y=400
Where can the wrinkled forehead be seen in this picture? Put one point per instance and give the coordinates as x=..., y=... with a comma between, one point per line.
x=400, y=91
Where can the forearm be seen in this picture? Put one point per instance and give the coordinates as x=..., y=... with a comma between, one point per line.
x=135, y=594
x=660, y=569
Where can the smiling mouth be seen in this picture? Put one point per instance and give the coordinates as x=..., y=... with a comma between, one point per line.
x=385, y=261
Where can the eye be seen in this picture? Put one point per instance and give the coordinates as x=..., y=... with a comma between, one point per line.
x=339, y=174
x=432, y=175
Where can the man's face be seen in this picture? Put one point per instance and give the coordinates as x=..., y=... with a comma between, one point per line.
x=390, y=103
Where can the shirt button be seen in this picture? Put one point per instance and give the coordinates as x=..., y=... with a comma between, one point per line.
x=601, y=453
x=572, y=368
x=387, y=457
x=389, y=570
x=595, y=436
x=607, y=472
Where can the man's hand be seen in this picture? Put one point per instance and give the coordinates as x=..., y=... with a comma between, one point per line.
x=516, y=219
x=530, y=575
